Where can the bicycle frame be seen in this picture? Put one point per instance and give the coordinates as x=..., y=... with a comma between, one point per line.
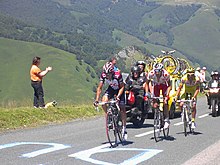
x=113, y=122
x=186, y=114
x=159, y=119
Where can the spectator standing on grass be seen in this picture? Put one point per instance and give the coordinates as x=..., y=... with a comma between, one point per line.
x=36, y=76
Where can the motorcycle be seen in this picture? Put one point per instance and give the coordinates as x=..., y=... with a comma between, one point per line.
x=214, y=96
x=135, y=106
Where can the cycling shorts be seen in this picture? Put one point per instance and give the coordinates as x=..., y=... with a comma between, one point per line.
x=157, y=89
x=111, y=93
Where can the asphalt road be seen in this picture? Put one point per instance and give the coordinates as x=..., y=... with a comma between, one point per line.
x=84, y=142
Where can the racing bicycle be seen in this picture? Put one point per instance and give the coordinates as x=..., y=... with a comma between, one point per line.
x=113, y=122
x=159, y=119
x=186, y=115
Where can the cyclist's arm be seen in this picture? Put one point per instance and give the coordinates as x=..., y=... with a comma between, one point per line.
x=179, y=89
x=99, y=90
x=169, y=88
x=121, y=89
x=196, y=92
x=147, y=86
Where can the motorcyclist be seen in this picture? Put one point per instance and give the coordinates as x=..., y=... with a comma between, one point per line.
x=136, y=83
x=141, y=65
x=214, y=77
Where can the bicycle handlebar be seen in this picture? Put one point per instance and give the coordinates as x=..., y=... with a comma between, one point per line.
x=178, y=101
x=157, y=97
x=108, y=102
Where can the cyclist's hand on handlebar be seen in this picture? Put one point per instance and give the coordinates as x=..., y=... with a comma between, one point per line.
x=193, y=98
x=118, y=98
x=95, y=103
x=175, y=98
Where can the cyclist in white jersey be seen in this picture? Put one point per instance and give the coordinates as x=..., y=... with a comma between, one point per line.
x=160, y=80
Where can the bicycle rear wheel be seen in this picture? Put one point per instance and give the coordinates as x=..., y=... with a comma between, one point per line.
x=157, y=124
x=111, y=129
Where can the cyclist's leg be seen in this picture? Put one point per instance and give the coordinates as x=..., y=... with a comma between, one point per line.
x=123, y=115
x=104, y=99
x=109, y=93
x=193, y=111
x=156, y=89
x=165, y=104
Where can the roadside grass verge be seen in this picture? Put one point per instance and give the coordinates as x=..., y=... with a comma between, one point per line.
x=25, y=117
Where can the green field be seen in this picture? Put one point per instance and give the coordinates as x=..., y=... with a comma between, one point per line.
x=64, y=84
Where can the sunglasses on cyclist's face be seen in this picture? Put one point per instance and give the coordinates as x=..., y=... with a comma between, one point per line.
x=157, y=71
x=190, y=75
x=108, y=75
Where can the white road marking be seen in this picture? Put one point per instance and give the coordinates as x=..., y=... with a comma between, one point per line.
x=144, y=134
x=144, y=155
x=180, y=123
x=54, y=147
x=205, y=115
x=176, y=124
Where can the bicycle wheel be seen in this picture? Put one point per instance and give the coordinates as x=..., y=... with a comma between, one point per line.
x=110, y=128
x=185, y=121
x=157, y=124
x=119, y=127
x=165, y=131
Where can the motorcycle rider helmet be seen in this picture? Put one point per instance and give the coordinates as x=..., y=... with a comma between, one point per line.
x=135, y=69
x=215, y=75
x=141, y=63
x=108, y=68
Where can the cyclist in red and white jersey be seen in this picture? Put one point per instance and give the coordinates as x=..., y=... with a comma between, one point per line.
x=115, y=88
x=160, y=80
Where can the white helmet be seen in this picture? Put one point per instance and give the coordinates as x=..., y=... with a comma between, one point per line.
x=108, y=68
x=158, y=66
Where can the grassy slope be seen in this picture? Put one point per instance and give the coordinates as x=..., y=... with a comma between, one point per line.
x=203, y=34
x=63, y=84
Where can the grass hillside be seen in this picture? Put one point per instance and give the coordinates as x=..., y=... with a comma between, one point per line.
x=200, y=41
x=64, y=84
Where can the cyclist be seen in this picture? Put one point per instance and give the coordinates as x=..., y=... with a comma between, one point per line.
x=136, y=83
x=191, y=83
x=160, y=80
x=116, y=87
x=215, y=77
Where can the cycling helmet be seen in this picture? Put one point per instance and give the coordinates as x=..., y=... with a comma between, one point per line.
x=190, y=70
x=158, y=67
x=108, y=68
x=141, y=63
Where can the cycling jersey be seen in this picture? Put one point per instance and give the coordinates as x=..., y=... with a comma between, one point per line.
x=114, y=86
x=190, y=87
x=115, y=82
x=164, y=78
x=160, y=84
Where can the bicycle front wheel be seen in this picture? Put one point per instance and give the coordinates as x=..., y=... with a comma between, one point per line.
x=111, y=129
x=185, y=121
x=165, y=131
x=157, y=124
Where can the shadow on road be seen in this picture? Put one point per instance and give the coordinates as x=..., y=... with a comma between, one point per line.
x=130, y=125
